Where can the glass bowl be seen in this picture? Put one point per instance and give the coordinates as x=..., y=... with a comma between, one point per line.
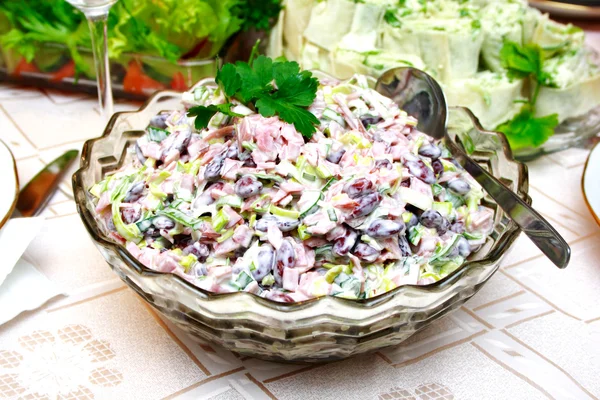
x=316, y=330
x=573, y=132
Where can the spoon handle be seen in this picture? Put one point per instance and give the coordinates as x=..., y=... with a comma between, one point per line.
x=541, y=233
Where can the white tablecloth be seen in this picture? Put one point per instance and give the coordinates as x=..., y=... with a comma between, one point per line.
x=532, y=332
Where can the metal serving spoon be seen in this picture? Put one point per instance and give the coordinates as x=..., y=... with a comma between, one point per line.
x=422, y=97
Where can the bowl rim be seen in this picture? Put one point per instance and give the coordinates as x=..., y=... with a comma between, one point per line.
x=494, y=255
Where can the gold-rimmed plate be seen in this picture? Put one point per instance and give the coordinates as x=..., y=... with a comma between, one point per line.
x=567, y=10
x=590, y=182
x=9, y=183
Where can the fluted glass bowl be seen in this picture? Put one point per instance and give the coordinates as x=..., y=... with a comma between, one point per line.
x=321, y=329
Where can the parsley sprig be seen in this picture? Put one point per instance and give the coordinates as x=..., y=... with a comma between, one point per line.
x=525, y=130
x=270, y=87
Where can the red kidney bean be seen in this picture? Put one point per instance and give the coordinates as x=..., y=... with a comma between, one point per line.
x=344, y=244
x=430, y=150
x=135, y=192
x=366, y=205
x=265, y=260
x=384, y=228
x=359, y=187
x=365, y=252
x=438, y=167
x=459, y=186
x=213, y=169
x=335, y=156
x=200, y=250
x=284, y=257
x=162, y=222
x=404, y=246
x=248, y=186
x=383, y=164
x=130, y=215
x=418, y=169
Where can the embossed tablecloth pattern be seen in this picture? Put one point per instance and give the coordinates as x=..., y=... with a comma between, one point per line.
x=532, y=332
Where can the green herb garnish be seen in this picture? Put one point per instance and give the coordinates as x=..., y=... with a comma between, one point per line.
x=271, y=87
x=204, y=114
x=525, y=130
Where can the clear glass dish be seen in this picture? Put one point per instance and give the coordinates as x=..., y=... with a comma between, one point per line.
x=133, y=76
x=573, y=132
x=316, y=330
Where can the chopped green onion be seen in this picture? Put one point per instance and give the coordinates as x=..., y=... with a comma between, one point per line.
x=230, y=200
x=226, y=235
x=249, y=146
x=309, y=177
x=302, y=234
x=220, y=220
x=157, y=134
x=243, y=280
x=283, y=212
x=268, y=280
x=187, y=261
x=129, y=232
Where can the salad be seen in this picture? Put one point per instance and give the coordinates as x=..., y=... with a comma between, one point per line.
x=233, y=197
x=518, y=71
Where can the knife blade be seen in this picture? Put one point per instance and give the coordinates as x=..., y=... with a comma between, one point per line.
x=35, y=195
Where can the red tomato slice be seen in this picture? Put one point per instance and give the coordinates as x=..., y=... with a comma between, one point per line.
x=66, y=71
x=136, y=81
x=178, y=82
x=24, y=66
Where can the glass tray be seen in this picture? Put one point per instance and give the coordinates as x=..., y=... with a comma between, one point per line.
x=573, y=132
x=133, y=76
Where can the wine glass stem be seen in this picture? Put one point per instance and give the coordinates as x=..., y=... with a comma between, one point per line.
x=98, y=29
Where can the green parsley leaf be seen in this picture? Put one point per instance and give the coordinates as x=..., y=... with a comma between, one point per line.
x=252, y=85
x=391, y=19
x=229, y=80
x=304, y=121
x=282, y=70
x=297, y=89
x=204, y=114
x=522, y=61
x=263, y=67
x=525, y=130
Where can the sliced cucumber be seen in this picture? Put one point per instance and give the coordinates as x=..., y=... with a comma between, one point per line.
x=231, y=200
x=242, y=280
x=268, y=177
x=441, y=252
x=415, y=233
x=329, y=183
x=437, y=189
x=332, y=215
x=415, y=198
x=309, y=177
x=309, y=200
x=333, y=116
x=470, y=236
